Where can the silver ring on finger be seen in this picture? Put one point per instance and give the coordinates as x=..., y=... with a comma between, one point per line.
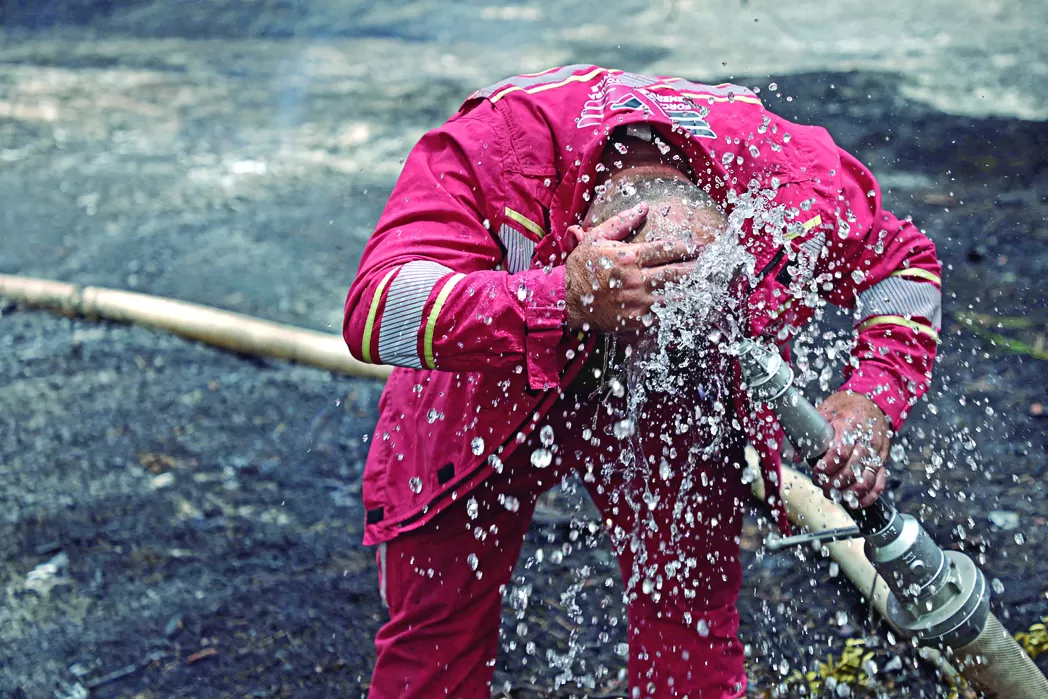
x=870, y=469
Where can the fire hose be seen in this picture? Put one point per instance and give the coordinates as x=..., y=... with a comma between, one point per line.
x=940, y=598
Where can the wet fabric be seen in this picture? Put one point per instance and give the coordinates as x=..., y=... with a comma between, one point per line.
x=675, y=533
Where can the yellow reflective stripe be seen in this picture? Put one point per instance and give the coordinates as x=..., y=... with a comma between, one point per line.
x=715, y=98
x=917, y=272
x=807, y=226
x=369, y=326
x=548, y=86
x=431, y=322
x=525, y=221
x=899, y=320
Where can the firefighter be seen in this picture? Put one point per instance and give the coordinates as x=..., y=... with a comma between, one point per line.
x=515, y=265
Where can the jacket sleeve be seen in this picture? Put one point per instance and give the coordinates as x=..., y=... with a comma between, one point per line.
x=431, y=292
x=888, y=271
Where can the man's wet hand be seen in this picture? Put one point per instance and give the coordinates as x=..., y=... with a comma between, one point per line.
x=611, y=285
x=854, y=465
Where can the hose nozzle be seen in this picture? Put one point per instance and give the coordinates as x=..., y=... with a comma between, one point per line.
x=936, y=595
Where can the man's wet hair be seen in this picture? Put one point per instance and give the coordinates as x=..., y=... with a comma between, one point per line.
x=629, y=190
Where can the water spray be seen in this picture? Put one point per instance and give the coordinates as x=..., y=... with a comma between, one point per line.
x=938, y=597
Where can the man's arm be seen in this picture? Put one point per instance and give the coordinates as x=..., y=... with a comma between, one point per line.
x=888, y=270
x=428, y=294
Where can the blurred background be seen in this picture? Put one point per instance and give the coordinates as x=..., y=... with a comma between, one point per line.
x=176, y=520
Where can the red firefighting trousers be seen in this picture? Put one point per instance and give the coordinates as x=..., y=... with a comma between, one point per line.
x=675, y=528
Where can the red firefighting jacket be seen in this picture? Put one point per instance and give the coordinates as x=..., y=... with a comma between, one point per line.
x=462, y=285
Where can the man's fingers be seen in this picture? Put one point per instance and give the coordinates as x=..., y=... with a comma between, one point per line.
x=863, y=482
x=879, y=484
x=658, y=277
x=663, y=252
x=572, y=237
x=619, y=226
x=835, y=458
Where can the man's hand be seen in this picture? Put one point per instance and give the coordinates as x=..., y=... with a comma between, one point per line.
x=610, y=283
x=854, y=464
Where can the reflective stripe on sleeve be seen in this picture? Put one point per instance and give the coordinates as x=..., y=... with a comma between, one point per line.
x=918, y=273
x=903, y=297
x=369, y=325
x=401, y=320
x=519, y=249
x=431, y=322
x=898, y=320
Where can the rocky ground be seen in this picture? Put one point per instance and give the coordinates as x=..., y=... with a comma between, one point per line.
x=179, y=521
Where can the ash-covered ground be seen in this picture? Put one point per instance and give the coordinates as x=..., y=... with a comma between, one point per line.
x=201, y=510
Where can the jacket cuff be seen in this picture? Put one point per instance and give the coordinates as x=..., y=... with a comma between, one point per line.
x=544, y=312
x=883, y=389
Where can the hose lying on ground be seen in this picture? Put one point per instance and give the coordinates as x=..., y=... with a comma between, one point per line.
x=807, y=507
x=232, y=331
x=994, y=662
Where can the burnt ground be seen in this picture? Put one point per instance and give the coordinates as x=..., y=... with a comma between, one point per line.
x=202, y=508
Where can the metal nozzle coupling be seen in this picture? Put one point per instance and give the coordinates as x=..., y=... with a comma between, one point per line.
x=770, y=380
x=936, y=595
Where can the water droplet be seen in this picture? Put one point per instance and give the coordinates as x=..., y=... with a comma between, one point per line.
x=432, y=416
x=665, y=472
x=477, y=446
x=509, y=502
x=541, y=458
x=546, y=435
x=703, y=628
x=622, y=650
x=997, y=585
x=473, y=561
x=754, y=151
x=646, y=587
x=843, y=229
x=773, y=86
x=472, y=509
x=416, y=485
x=617, y=388
x=623, y=428
x=857, y=276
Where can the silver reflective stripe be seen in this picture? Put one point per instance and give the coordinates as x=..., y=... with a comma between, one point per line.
x=519, y=249
x=809, y=253
x=903, y=297
x=531, y=80
x=382, y=574
x=634, y=80
x=402, y=317
x=716, y=90
x=814, y=245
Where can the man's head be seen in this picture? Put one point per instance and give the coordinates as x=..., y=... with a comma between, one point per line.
x=636, y=171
